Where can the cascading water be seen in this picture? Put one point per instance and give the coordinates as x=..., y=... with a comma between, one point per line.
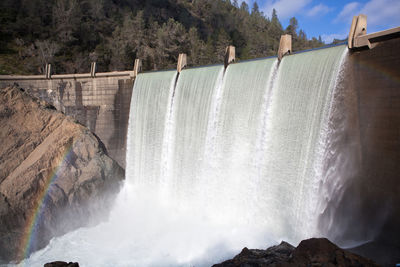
x=298, y=110
x=219, y=161
x=231, y=166
x=150, y=105
x=190, y=119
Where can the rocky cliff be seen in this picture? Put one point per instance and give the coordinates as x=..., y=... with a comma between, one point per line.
x=55, y=175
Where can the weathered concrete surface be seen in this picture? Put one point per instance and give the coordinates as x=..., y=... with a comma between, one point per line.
x=53, y=172
x=369, y=208
x=102, y=104
x=285, y=45
x=182, y=62
x=230, y=55
x=377, y=80
x=358, y=28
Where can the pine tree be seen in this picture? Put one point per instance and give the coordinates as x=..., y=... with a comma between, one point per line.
x=255, y=10
x=116, y=32
x=292, y=27
x=275, y=30
x=196, y=48
x=244, y=7
x=223, y=40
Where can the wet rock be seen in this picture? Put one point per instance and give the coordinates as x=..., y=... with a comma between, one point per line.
x=55, y=175
x=321, y=251
x=260, y=257
x=61, y=264
x=310, y=252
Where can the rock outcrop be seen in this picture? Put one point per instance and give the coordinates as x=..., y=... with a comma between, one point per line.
x=53, y=172
x=310, y=252
x=61, y=264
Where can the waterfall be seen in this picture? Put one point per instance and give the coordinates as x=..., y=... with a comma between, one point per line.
x=232, y=166
x=150, y=104
x=218, y=160
x=298, y=111
x=190, y=119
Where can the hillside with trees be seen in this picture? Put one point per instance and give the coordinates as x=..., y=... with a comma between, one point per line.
x=70, y=34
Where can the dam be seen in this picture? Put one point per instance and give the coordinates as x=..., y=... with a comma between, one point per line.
x=100, y=103
x=262, y=144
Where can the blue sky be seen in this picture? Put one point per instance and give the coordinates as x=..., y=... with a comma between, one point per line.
x=332, y=18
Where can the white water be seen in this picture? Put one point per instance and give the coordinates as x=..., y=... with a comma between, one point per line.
x=219, y=162
x=299, y=108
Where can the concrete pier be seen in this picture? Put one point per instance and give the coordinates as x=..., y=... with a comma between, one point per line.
x=48, y=71
x=93, y=69
x=285, y=46
x=137, y=67
x=230, y=55
x=182, y=62
x=358, y=28
x=359, y=39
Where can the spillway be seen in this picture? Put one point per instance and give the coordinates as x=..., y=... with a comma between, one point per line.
x=193, y=104
x=235, y=141
x=299, y=110
x=150, y=105
x=217, y=160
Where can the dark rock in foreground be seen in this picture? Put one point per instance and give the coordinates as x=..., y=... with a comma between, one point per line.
x=310, y=252
x=45, y=157
x=61, y=264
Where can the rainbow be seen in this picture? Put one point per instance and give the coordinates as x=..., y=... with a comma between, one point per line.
x=34, y=218
x=383, y=71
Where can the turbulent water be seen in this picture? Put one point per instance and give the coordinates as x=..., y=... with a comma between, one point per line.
x=217, y=160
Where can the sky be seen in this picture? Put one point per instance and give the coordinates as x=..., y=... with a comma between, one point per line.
x=332, y=18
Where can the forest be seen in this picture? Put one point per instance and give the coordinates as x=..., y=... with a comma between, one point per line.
x=70, y=34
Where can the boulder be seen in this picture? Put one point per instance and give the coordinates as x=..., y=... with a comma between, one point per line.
x=260, y=257
x=61, y=264
x=320, y=251
x=310, y=252
x=53, y=172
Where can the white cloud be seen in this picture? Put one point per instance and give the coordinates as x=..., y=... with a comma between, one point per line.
x=381, y=13
x=318, y=10
x=348, y=11
x=328, y=38
x=285, y=8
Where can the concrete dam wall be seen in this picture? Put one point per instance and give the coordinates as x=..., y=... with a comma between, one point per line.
x=375, y=76
x=101, y=103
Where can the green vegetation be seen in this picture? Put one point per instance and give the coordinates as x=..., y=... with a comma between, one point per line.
x=72, y=33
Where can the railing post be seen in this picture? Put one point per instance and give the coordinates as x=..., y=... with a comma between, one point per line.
x=358, y=28
x=230, y=55
x=285, y=46
x=182, y=62
x=137, y=67
x=93, y=70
